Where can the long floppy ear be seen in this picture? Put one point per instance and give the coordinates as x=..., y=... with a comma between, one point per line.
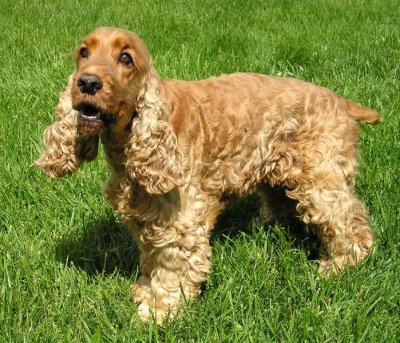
x=65, y=149
x=152, y=154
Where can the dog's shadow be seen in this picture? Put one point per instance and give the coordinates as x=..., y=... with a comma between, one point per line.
x=106, y=246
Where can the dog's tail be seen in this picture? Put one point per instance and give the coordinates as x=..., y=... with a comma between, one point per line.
x=361, y=113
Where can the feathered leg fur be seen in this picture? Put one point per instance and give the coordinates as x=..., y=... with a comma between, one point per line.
x=175, y=260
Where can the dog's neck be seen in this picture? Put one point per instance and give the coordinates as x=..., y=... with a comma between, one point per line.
x=114, y=143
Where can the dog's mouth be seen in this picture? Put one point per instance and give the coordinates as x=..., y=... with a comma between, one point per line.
x=92, y=120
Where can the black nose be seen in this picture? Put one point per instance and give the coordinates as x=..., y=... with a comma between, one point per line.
x=89, y=84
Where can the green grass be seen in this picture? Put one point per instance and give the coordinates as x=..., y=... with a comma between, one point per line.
x=65, y=260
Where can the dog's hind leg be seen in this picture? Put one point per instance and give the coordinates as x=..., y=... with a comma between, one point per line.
x=276, y=205
x=339, y=219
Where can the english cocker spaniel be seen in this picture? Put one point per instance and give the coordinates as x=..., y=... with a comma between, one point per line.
x=178, y=150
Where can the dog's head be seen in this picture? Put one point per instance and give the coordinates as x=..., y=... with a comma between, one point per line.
x=115, y=90
x=110, y=66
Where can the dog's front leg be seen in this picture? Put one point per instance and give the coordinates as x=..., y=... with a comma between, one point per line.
x=172, y=273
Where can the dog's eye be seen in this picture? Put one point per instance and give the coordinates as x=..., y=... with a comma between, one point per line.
x=84, y=52
x=126, y=59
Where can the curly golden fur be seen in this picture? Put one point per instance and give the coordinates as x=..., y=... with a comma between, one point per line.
x=178, y=150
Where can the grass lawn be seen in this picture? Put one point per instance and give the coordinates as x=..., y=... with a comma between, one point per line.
x=66, y=261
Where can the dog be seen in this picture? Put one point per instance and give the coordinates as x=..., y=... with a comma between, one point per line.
x=179, y=150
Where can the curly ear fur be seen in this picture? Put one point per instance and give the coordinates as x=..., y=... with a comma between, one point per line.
x=65, y=149
x=153, y=158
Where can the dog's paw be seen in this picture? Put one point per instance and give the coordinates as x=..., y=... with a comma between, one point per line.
x=150, y=310
x=141, y=289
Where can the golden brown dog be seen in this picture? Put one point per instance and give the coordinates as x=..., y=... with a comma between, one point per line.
x=178, y=150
